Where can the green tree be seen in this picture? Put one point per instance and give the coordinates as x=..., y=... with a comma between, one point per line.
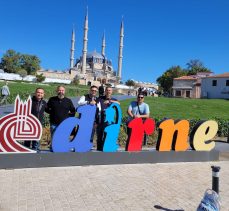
x=11, y=61
x=22, y=73
x=195, y=66
x=40, y=77
x=76, y=81
x=166, y=80
x=30, y=63
x=130, y=83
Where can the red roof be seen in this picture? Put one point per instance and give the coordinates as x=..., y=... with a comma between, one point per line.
x=223, y=75
x=186, y=77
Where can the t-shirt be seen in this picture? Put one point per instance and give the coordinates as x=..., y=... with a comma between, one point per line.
x=133, y=107
x=5, y=91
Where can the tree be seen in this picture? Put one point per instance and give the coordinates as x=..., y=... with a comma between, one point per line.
x=130, y=83
x=76, y=81
x=22, y=73
x=30, y=63
x=194, y=66
x=11, y=61
x=166, y=80
x=40, y=77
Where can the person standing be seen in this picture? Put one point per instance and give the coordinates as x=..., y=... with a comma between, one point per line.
x=105, y=102
x=5, y=92
x=101, y=90
x=91, y=99
x=38, y=109
x=59, y=108
x=138, y=109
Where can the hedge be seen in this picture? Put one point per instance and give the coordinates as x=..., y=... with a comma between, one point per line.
x=223, y=131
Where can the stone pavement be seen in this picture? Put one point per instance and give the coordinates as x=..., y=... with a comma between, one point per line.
x=170, y=186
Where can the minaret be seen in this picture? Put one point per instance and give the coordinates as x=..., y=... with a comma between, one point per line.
x=120, y=51
x=72, y=49
x=85, y=39
x=103, y=44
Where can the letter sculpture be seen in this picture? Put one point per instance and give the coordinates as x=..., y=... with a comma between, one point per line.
x=19, y=126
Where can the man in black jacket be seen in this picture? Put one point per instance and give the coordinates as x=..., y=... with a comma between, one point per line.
x=105, y=101
x=60, y=108
x=101, y=90
x=38, y=109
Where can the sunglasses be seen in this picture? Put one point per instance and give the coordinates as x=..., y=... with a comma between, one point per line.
x=140, y=97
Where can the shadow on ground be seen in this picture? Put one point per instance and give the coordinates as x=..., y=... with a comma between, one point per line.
x=166, y=209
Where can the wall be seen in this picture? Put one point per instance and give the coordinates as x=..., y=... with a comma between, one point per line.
x=183, y=86
x=209, y=91
x=32, y=78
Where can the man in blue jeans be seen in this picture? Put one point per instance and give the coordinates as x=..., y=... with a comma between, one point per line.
x=59, y=108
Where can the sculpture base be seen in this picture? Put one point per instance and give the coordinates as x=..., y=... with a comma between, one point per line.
x=47, y=159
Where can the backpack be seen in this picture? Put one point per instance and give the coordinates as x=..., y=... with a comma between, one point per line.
x=210, y=201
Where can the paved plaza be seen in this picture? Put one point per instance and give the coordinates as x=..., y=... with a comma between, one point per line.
x=170, y=186
x=167, y=186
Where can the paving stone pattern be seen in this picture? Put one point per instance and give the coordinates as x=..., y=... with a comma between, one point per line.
x=175, y=186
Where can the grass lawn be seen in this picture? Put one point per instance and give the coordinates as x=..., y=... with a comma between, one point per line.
x=178, y=108
x=160, y=107
x=24, y=89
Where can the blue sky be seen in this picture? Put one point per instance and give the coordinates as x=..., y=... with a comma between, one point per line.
x=158, y=33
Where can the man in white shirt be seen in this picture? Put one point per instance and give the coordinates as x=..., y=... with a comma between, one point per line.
x=5, y=92
x=91, y=99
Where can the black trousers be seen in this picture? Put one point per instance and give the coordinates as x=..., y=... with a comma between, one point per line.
x=100, y=136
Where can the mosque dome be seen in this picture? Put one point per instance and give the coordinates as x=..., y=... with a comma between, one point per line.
x=94, y=54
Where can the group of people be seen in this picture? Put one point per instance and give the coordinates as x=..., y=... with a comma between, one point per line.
x=145, y=91
x=60, y=108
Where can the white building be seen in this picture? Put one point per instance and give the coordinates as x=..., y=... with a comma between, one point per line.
x=216, y=86
x=189, y=86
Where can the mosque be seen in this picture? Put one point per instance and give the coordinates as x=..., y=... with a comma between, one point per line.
x=92, y=68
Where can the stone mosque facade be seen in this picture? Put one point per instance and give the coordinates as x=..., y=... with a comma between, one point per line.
x=92, y=68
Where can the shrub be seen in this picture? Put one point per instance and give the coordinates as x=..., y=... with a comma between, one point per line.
x=75, y=81
x=22, y=73
x=40, y=77
x=223, y=129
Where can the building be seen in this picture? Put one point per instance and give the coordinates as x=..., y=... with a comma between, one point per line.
x=92, y=68
x=189, y=86
x=146, y=85
x=216, y=86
